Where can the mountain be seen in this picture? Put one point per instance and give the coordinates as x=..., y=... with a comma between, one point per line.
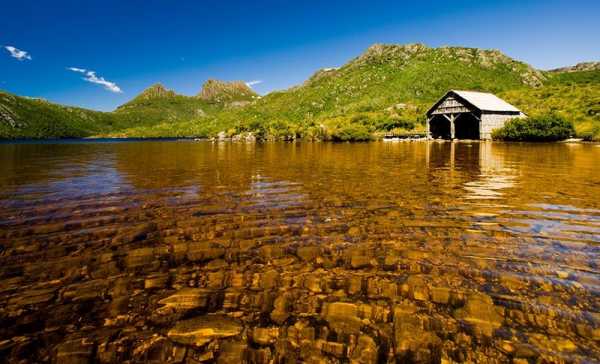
x=158, y=111
x=387, y=89
x=157, y=104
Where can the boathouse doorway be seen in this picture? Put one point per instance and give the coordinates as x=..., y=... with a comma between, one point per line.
x=466, y=126
x=439, y=127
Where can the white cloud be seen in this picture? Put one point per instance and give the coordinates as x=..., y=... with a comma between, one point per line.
x=254, y=82
x=17, y=53
x=90, y=76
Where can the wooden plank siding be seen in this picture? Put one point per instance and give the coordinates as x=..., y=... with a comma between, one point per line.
x=450, y=106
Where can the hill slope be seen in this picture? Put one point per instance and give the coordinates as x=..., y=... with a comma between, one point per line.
x=36, y=118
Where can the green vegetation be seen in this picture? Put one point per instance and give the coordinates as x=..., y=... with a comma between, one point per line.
x=386, y=90
x=36, y=118
x=544, y=128
x=573, y=95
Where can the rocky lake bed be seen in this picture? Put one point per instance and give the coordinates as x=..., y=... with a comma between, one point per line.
x=185, y=252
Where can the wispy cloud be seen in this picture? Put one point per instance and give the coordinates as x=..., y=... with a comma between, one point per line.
x=254, y=82
x=18, y=54
x=90, y=76
x=74, y=69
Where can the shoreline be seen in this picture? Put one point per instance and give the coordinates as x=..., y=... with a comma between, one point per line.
x=94, y=140
x=243, y=140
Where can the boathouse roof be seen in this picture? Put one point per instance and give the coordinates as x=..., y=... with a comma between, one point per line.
x=484, y=101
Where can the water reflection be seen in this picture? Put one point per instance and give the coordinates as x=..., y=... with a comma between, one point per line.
x=495, y=175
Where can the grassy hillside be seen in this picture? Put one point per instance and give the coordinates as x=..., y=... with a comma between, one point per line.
x=387, y=89
x=35, y=118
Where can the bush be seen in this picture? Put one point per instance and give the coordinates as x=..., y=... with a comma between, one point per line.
x=388, y=124
x=550, y=127
x=350, y=132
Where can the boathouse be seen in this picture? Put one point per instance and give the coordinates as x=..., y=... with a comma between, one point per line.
x=468, y=115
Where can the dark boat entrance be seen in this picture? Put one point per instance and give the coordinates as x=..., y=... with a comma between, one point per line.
x=439, y=127
x=466, y=126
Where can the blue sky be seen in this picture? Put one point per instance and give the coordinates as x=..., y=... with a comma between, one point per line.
x=131, y=44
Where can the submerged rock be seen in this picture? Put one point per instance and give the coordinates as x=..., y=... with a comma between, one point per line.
x=366, y=351
x=481, y=314
x=199, y=331
x=265, y=335
x=412, y=341
x=342, y=317
x=185, y=299
x=75, y=351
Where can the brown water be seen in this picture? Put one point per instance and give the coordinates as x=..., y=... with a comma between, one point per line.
x=379, y=252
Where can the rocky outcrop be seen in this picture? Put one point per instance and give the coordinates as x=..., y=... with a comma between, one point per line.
x=381, y=53
x=226, y=92
x=155, y=91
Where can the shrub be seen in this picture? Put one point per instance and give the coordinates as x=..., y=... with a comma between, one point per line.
x=388, y=124
x=550, y=127
x=350, y=132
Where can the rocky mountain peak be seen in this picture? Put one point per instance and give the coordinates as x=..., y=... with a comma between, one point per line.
x=221, y=91
x=155, y=91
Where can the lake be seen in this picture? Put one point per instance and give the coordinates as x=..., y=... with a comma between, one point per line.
x=298, y=252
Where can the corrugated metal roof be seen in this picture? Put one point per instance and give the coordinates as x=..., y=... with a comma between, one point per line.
x=485, y=101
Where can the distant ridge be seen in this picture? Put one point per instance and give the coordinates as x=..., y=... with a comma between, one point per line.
x=583, y=66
